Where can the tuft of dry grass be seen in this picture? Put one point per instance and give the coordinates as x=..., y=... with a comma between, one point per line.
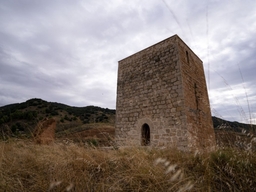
x=25, y=166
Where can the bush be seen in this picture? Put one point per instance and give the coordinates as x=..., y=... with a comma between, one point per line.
x=5, y=119
x=54, y=113
x=93, y=142
x=14, y=128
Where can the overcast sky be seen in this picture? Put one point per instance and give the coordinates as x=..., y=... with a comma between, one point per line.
x=67, y=51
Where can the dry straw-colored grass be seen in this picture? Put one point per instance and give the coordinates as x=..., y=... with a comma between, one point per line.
x=25, y=166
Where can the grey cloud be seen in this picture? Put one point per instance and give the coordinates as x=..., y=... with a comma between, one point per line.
x=67, y=51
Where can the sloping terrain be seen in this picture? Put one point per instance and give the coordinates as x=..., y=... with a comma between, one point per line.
x=93, y=124
x=19, y=120
x=235, y=126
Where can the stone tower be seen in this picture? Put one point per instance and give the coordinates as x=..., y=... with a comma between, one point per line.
x=162, y=99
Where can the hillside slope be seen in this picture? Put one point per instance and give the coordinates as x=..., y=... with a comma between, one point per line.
x=89, y=123
x=21, y=118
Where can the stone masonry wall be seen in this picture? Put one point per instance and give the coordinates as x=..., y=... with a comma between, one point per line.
x=197, y=107
x=153, y=89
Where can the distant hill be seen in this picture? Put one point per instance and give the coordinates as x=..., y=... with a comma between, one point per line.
x=20, y=119
x=234, y=134
x=235, y=126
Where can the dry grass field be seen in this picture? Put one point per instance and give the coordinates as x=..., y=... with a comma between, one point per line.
x=25, y=166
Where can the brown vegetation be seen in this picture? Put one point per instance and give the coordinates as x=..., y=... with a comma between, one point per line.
x=70, y=164
x=25, y=166
x=44, y=132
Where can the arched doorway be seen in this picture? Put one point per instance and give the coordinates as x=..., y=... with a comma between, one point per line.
x=145, y=135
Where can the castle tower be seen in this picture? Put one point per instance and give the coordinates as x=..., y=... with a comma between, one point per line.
x=162, y=99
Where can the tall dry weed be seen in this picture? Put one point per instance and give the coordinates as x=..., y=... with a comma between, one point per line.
x=25, y=166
